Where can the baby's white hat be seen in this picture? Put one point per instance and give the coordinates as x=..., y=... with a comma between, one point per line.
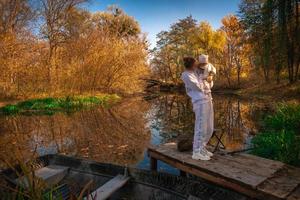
x=203, y=58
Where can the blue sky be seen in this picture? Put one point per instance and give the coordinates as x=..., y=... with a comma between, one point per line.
x=157, y=15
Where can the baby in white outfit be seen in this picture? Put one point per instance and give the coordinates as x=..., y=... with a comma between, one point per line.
x=205, y=70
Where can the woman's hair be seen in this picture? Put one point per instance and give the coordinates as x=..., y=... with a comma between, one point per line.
x=188, y=62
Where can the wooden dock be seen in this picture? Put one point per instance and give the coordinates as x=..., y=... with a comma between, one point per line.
x=250, y=175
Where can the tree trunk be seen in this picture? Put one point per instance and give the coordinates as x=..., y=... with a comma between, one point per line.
x=51, y=49
x=278, y=75
x=239, y=81
x=290, y=63
x=297, y=38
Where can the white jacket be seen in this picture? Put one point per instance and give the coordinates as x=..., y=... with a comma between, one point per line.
x=208, y=69
x=194, y=88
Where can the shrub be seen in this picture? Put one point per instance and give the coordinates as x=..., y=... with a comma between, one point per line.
x=280, y=138
x=283, y=146
x=287, y=117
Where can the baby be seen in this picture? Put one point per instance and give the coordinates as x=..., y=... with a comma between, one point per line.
x=206, y=71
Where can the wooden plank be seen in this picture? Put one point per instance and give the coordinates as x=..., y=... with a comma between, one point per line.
x=259, y=161
x=247, y=174
x=252, y=164
x=295, y=195
x=106, y=190
x=51, y=174
x=223, y=166
x=207, y=176
x=245, y=160
x=283, y=183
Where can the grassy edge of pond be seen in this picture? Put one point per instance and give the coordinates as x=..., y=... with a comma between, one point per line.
x=280, y=137
x=51, y=105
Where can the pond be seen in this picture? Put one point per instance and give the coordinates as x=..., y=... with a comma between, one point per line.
x=120, y=135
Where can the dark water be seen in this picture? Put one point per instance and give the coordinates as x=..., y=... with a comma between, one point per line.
x=121, y=134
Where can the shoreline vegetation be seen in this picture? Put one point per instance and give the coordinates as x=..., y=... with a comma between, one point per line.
x=279, y=138
x=51, y=105
x=282, y=91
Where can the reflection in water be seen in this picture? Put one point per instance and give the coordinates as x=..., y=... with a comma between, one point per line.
x=236, y=118
x=115, y=135
x=121, y=134
x=171, y=115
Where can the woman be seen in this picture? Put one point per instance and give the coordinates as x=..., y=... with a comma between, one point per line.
x=205, y=73
x=202, y=105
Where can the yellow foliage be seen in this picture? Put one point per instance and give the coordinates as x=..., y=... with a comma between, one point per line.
x=80, y=52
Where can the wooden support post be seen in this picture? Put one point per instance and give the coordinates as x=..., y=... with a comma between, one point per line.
x=153, y=164
x=182, y=173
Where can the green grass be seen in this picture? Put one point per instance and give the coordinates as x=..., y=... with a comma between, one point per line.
x=280, y=137
x=52, y=105
x=283, y=146
x=287, y=117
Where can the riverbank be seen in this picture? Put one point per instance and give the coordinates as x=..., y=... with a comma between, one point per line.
x=50, y=105
x=279, y=91
x=283, y=91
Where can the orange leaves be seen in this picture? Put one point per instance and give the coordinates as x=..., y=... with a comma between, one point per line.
x=80, y=52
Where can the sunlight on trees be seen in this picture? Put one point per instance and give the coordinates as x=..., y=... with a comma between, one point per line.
x=272, y=29
x=185, y=37
x=55, y=47
x=235, y=51
x=263, y=40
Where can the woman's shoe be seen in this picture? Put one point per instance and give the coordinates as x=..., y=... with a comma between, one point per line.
x=210, y=154
x=200, y=156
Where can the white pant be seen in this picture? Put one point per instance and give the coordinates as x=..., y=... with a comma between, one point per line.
x=204, y=124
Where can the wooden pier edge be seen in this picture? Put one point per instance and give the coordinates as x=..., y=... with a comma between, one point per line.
x=218, y=179
x=213, y=179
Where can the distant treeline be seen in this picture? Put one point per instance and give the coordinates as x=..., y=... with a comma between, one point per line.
x=54, y=46
x=261, y=42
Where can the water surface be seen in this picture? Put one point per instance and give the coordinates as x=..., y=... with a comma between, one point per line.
x=120, y=135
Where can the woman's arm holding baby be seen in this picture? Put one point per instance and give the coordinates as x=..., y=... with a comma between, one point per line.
x=212, y=72
x=192, y=80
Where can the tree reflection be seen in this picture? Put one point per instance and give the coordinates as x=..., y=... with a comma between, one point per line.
x=120, y=135
x=236, y=118
x=117, y=135
x=172, y=116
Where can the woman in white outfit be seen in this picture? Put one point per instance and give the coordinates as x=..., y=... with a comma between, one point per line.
x=197, y=90
x=205, y=112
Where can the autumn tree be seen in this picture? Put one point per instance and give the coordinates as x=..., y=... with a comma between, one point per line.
x=185, y=38
x=236, y=48
x=206, y=40
x=15, y=40
x=116, y=22
x=105, y=59
x=172, y=45
x=15, y=15
x=75, y=51
x=273, y=30
x=55, y=15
